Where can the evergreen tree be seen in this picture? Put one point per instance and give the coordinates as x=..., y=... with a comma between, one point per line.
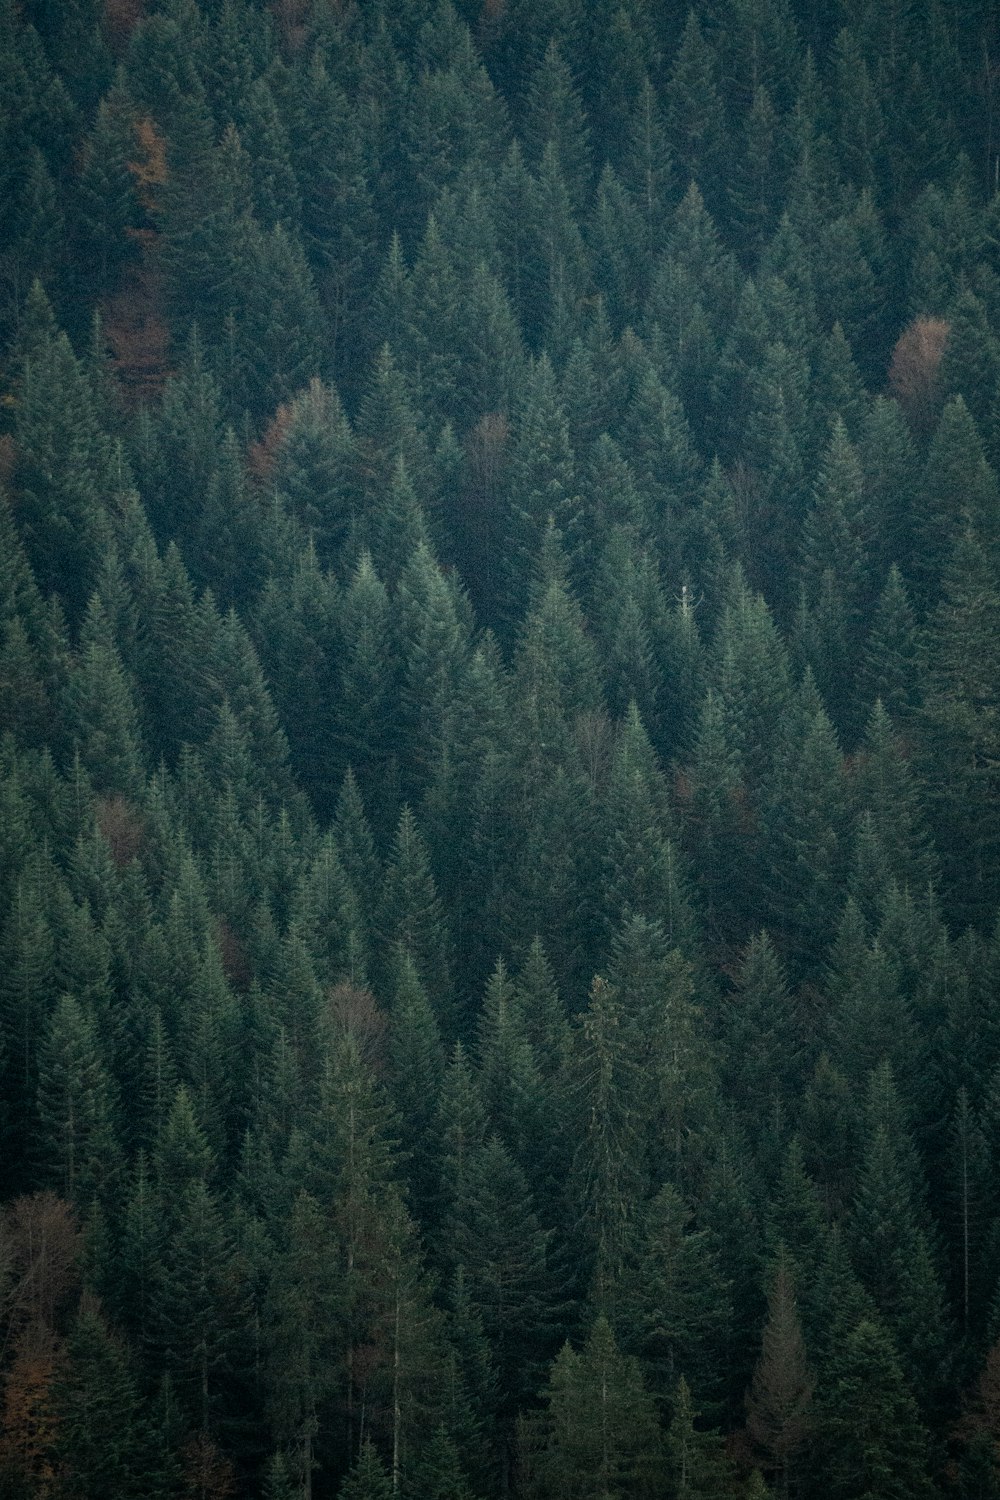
x=62, y=473
x=278, y=344
x=96, y=1411
x=895, y=1263
x=368, y=1479
x=869, y=1434
x=109, y=207
x=957, y=722
x=553, y=114
x=695, y=119
x=696, y=1461
x=675, y=1309
x=413, y=919
x=505, y=1256
x=598, y=1435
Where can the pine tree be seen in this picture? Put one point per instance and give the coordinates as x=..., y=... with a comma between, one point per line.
x=695, y=118
x=102, y=710
x=763, y=1030
x=754, y=192
x=608, y=1165
x=199, y=1309
x=834, y=538
x=436, y=1473
x=412, y=917
x=895, y=1263
x=505, y=1257
x=886, y=788
x=334, y=156
x=418, y=1065
x=598, y=1436
x=957, y=723
x=806, y=828
x=300, y=1316
x=62, y=474
x=109, y=206
x=368, y=1479
x=77, y=1145
x=96, y=1411
x=614, y=239
x=278, y=328
x=541, y=479
x=960, y=483
x=203, y=217
x=869, y=1434
x=276, y=195
x=553, y=114
x=674, y=1308
x=890, y=668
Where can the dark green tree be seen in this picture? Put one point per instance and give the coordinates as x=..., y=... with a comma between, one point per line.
x=598, y=1435
x=869, y=1435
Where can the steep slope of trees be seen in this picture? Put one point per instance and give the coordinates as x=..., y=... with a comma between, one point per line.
x=499, y=749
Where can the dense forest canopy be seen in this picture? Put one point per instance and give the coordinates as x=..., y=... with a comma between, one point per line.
x=500, y=760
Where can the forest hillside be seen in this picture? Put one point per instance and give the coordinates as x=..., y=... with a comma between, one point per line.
x=499, y=750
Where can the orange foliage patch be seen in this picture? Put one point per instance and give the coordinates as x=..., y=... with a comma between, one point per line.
x=486, y=448
x=7, y=458
x=915, y=368
x=235, y=963
x=290, y=16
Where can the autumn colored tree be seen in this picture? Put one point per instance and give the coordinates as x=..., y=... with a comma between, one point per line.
x=915, y=369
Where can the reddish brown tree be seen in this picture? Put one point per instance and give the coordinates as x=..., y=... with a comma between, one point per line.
x=27, y=1417
x=914, y=373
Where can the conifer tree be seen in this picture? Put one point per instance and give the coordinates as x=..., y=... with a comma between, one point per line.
x=368, y=1479
x=674, y=1309
x=77, y=1145
x=108, y=203
x=696, y=1461
x=890, y=667
x=695, y=118
x=505, y=1256
x=868, y=1430
x=598, y=1435
x=96, y=1410
x=413, y=918
x=895, y=1262
x=553, y=114
x=958, y=723
x=62, y=473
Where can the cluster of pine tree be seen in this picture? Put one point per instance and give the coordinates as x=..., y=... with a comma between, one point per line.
x=500, y=760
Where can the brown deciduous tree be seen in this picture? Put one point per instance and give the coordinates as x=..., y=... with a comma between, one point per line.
x=914, y=373
x=27, y=1417
x=780, y=1394
x=208, y=1474
x=39, y=1249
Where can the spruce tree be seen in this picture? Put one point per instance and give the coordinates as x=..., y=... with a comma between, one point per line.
x=598, y=1436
